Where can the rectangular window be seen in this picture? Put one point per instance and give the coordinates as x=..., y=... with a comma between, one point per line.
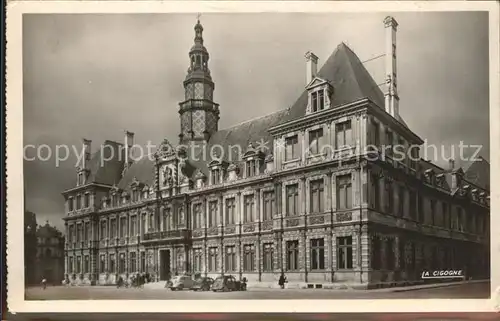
x=389, y=141
x=317, y=254
x=121, y=263
x=86, y=264
x=103, y=230
x=87, y=232
x=390, y=255
x=314, y=101
x=78, y=202
x=133, y=262
x=78, y=264
x=123, y=226
x=166, y=219
x=446, y=215
x=70, y=204
x=292, y=200
x=344, y=192
x=151, y=223
x=86, y=200
x=317, y=196
x=251, y=168
x=133, y=225
x=268, y=210
x=292, y=255
x=375, y=257
x=460, y=219
x=230, y=211
x=248, y=210
x=198, y=257
x=267, y=263
x=321, y=100
x=78, y=233
x=421, y=209
x=212, y=214
x=215, y=176
x=389, y=197
x=375, y=134
x=197, y=221
x=112, y=228
x=230, y=259
x=315, y=140
x=344, y=252
x=143, y=261
x=102, y=263
x=413, y=205
x=249, y=258
x=343, y=135
x=433, y=212
x=212, y=259
x=292, y=148
x=376, y=191
x=401, y=200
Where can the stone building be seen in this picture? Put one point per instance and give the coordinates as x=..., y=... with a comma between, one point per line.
x=30, y=245
x=317, y=190
x=49, y=262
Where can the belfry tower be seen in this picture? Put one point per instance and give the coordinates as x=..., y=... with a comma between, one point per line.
x=199, y=114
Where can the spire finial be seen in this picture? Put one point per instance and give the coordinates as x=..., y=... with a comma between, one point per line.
x=198, y=17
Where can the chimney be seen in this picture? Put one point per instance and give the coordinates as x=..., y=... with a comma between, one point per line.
x=451, y=163
x=311, y=66
x=391, y=80
x=129, y=142
x=86, y=152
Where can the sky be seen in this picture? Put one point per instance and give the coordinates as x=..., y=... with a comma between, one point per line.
x=95, y=75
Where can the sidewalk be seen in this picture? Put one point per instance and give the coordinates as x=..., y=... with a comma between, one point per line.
x=342, y=287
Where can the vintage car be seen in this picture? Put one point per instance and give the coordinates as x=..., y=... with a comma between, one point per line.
x=226, y=283
x=202, y=284
x=180, y=282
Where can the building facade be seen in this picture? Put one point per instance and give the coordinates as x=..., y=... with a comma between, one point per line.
x=318, y=191
x=49, y=262
x=30, y=245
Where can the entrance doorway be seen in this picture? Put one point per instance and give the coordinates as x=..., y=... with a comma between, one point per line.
x=164, y=265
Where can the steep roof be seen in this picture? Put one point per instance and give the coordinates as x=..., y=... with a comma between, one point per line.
x=478, y=173
x=350, y=80
x=345, y=72
x=235, y=140
x=106, y=165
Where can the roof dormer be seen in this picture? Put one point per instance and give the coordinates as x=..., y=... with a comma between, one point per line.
x=319, y=92
x=217, y=168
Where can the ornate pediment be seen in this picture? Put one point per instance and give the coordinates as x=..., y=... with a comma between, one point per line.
x=269, y=158
x=252, y=151
x=317, y=81
x=199, y=175
x=166, y=149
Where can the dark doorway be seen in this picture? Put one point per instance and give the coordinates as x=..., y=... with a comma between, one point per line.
x=164, y=265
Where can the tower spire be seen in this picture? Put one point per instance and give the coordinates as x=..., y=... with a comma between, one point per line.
x=199, y=114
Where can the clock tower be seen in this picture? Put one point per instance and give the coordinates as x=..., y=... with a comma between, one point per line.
x=198, y=113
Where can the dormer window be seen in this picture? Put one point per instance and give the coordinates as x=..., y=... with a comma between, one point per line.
x=318, y=100
x=216, y=175
x=79, y=179
x=86, y=200
x=251, y=168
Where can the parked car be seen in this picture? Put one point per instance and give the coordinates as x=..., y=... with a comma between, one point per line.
x=226, y=283
x=180, y=282
x=202, y=284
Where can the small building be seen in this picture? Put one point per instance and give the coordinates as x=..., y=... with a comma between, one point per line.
x=49, y=261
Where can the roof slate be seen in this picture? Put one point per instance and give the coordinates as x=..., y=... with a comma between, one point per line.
x=106, y=165
x=478, y=173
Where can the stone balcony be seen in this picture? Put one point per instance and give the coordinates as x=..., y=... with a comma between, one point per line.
x=175, y=235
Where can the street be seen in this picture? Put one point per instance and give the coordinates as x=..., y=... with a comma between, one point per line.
x=463, y=291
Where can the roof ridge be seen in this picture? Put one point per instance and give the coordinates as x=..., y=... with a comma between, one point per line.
x=253, y=119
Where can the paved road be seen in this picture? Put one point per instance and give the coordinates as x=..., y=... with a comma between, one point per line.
x=464, y=291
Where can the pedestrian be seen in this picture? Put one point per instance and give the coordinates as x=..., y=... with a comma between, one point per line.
x=44, y=283
x=282, y=280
